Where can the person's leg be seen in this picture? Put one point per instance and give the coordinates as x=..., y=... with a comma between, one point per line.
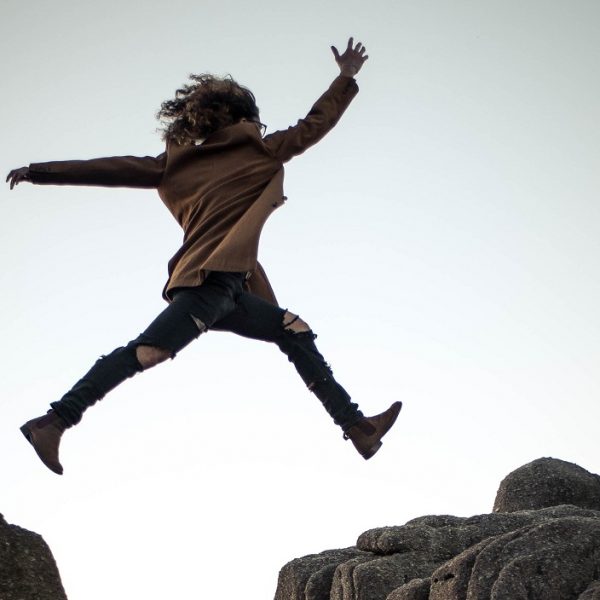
x=256, y=319
x=192, y=311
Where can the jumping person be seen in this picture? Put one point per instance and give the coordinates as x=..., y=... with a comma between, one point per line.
x=221, y=179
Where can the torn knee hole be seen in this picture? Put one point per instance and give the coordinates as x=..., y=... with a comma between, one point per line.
x=148, y=356
x=294, y=323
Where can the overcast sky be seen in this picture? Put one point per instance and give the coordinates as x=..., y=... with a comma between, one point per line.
x=443, y=242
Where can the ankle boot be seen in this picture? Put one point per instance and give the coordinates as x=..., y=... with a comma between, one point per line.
x=44, y=435
x=366, y=434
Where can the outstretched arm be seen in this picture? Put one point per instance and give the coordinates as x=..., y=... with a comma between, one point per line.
x=326, y=111
x=115, y=171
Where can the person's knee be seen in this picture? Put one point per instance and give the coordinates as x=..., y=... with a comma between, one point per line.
x=296, y=338
x=149, y=356
x=294, y=324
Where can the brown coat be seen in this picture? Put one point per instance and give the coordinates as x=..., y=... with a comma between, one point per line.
x=221, y=192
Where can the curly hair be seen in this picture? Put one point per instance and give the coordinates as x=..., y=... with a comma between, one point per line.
x=203, y=107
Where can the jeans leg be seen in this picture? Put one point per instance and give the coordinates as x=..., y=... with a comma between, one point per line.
x=107, y=373
x=257, y=319
x=192, y=311
x=301, y=350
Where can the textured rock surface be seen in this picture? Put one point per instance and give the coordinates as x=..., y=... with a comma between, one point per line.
x=546, y=552
x=592, y=592
x=443, y=537
x=27, y=568
x=377, y=577
x=417, y=589
x=310, y=577
x=548, y=482
x=553, y=561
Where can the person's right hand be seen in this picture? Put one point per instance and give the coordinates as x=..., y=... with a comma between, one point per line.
x=17, y=175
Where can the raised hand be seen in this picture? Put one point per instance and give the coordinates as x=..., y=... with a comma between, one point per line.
x=18, y=175
x=353, y=58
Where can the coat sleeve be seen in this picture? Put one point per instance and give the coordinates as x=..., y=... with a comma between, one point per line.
x=322, y=117
x=115, y=171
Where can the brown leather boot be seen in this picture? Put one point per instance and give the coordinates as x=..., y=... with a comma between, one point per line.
x=367, y=433
x=44, y=435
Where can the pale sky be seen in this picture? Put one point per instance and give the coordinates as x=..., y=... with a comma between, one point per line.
x=443, y=242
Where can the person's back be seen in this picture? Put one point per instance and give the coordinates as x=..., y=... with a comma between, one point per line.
x=218, y=179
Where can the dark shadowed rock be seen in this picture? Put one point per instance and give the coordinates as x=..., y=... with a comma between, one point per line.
x=314, y=572
x=27, y=568
x=375, y=579
x=318, y=586
x=548, y=482
x=451, y=580
x=555, y=560
x=417, y=589
x=592, y=592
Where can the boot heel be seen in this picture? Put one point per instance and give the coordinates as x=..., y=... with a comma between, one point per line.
x=372, y=450
x=367, y=433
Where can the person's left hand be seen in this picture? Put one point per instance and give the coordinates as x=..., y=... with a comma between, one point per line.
x=352, y=60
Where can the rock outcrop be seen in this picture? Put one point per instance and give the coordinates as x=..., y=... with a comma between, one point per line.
x=548, y=482
x=542, y=542
x=27, y=567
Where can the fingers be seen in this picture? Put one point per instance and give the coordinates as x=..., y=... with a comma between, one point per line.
x=335, y=53
x=350, y=48
x=16, y=176
x=13, y=177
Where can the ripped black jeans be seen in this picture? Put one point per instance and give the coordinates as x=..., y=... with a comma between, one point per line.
x=220, y=303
